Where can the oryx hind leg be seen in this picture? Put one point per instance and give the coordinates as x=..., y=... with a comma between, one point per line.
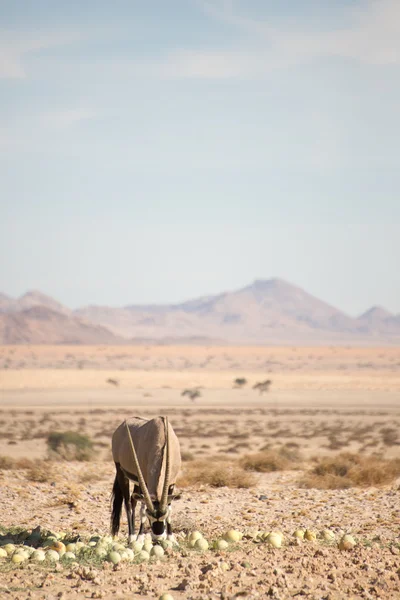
x=124, y=485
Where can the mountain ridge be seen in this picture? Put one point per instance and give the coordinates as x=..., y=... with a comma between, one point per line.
x=265, y=311
x=40, y=324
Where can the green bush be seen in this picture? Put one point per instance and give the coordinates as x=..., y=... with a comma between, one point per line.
x=70, y=445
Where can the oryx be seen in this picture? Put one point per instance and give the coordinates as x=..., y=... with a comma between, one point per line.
x=148, y=453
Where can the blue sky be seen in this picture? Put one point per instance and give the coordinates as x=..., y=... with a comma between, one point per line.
x=152, y=152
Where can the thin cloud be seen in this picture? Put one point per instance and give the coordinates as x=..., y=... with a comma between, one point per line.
x=16, y=46
x=67, y=118
x=371, y=37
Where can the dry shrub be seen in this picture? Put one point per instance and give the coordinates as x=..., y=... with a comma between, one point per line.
x=40, y=471
x=216, y=473
x=348, y=470
x=390, y=436
x=7, y=463
x=291, y=452
x=335, y=443
x=187, y=456
x=69, y=496
x=88, y=476
x=271, y=460
x=37, y=470
x=239, y=436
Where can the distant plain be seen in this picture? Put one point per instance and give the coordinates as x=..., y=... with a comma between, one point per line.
x=250, y=461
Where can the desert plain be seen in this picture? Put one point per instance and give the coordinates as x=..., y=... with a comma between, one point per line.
x=317, y=448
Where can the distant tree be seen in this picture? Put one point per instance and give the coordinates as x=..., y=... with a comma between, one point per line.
x=239, y=382
x=192, y=393
x=262, y=386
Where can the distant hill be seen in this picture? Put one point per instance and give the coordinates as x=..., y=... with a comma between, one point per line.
x=378, y=320
x=42, y=325
x=30, y=299
x=5, y=303
x=268, y=311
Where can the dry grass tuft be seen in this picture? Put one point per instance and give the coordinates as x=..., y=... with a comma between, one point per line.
x=88, y=475
x=69, y=496
x=7, y=463
x=271, y=460
x=187, y=456
x=216, y=473
x=36, y=470
x=40, y=471
x=349, y=470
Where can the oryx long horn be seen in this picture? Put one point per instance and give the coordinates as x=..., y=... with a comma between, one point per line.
x=142, y=482
x=164, y=496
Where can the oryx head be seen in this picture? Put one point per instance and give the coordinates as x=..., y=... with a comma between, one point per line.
x=156, y=511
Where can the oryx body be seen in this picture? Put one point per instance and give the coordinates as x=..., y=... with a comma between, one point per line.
x=147, y=452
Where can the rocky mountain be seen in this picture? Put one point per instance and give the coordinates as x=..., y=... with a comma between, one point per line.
x=269, y=311
x=42, y=325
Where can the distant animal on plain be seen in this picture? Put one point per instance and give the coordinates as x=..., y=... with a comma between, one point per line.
x=113, y=381
x=262, y=386
x=146, y=452
x=193, y=393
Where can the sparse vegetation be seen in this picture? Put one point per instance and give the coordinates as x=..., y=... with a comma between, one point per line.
x=88, y=476
x=70, y=501
x=36, y=470
x=187, y=456
x=270, y=460
x=216, y=473
x=390, y=436
x=7, y=463
x=70, y=445
x=348, y=470
x=40, y=471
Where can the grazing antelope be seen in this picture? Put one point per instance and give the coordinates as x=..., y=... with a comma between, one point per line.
x=146, y=452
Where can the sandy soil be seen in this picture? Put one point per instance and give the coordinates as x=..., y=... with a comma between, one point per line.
x=321, y=401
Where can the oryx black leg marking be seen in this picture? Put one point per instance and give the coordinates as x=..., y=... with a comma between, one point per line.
x=170, y=535
x=116, y=504
x=124, y=485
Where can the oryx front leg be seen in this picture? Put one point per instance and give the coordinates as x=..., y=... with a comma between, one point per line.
x=132, y=536
x=143, y=519
x=170, y=535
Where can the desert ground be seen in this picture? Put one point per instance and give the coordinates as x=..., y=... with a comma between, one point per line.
x=317, y=448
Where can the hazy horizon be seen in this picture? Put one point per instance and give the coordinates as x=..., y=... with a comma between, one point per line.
x=154, y=153
x=187, y=299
